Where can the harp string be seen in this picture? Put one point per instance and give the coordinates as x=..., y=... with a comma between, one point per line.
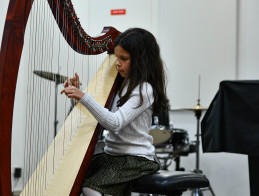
x=39, y=100
x=49, y=52
x=38, y=136
x=11, y=54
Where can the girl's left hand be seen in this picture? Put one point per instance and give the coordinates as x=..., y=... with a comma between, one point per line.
x=72, y=92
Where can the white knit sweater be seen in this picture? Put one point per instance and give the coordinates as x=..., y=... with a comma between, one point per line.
x=128, y=126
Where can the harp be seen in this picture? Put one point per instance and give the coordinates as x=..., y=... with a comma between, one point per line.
x=10, y=56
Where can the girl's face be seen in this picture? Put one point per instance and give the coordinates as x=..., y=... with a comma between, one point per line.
x=123, y=61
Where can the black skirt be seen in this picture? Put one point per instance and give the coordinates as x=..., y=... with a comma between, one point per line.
x=113, y=175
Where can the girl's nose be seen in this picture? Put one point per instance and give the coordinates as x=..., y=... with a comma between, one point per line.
x=117, y=63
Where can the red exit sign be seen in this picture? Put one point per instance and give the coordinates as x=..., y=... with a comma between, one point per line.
x=118, y=12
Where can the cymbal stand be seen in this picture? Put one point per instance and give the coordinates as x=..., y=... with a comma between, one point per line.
x=198, y=116
x=198, y=113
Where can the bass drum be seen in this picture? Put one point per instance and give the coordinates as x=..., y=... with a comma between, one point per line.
x=161, y=134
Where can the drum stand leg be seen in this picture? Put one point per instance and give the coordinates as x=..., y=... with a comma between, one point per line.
x=177, y=164
x=198, y=112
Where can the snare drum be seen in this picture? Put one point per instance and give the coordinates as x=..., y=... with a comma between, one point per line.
x=160, y=134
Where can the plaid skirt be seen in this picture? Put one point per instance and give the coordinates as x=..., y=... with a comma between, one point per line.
x=113, y=175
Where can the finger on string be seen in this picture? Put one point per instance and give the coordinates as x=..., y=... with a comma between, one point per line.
x=77, y=80
x=69, y=81
x=66, y=83
x=64, y=90
x=77, y=76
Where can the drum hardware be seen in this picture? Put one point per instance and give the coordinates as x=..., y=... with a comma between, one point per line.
x=193, y=147
x=180, y=141
x=164, y=164
x=198, y=112
x=198, y=109
x=160, y=133
x=170, y=143
x=166, y=161
x=99, y=147
x=177, y=146
x=177, y=165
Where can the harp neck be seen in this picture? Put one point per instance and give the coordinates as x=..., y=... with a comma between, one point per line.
x=75, y=35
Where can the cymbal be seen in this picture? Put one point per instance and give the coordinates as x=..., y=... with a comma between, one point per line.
x=51, y=76
x=196, y=108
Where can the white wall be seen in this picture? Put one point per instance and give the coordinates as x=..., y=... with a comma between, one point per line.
x=248, y=40
x=215, y=39
x=197, y=38
x=94, y=17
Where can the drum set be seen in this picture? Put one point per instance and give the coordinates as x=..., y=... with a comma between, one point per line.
x=170, y=143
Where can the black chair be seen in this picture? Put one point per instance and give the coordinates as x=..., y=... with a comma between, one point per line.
x=170, y=183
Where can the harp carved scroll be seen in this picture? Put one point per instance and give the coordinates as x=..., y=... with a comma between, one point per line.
x=103, y=85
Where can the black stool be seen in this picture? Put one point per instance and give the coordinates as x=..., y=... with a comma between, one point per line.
x=170, y=183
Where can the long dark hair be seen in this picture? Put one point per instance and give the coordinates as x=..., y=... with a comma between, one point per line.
x=146, y=66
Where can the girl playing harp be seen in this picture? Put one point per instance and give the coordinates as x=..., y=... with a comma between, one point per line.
x=128, y=153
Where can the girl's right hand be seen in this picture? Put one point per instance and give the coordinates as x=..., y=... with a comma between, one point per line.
x=72, y=81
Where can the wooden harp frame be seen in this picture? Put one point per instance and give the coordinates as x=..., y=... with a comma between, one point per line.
x=10, y=55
